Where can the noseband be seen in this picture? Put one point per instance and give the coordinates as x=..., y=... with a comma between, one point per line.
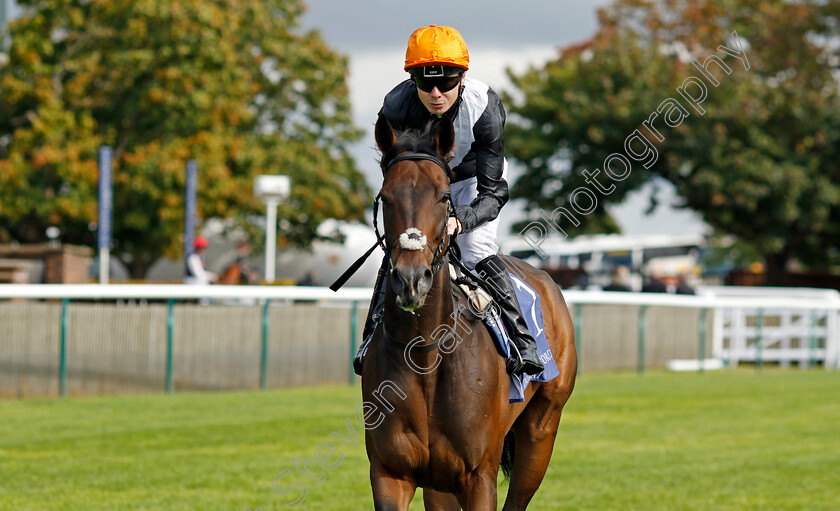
x=439, y=253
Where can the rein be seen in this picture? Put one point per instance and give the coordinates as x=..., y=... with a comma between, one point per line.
x=414, y=157
x=423, y=348
x=438, y=254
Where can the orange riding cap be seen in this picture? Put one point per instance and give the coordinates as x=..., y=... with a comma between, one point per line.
x=436, y=45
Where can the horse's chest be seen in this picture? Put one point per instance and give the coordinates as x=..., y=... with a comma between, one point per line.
x=439, y=447
x=444, y=428
x=440, y=464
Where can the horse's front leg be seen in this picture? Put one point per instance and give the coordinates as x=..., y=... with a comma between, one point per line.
x=437, y=501
x=390, y=492
x=480, y=491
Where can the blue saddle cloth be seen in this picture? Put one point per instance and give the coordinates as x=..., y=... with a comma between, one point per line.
x=529, y=301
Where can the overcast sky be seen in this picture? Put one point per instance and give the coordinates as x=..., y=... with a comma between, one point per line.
x=500, y=35
x=371, y=24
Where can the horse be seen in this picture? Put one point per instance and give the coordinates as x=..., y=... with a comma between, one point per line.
x=444, y=422
x=238, y=273
x=231, y=275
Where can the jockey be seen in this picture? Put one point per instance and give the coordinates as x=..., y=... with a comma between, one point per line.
x=197, y=273
x=437, y=60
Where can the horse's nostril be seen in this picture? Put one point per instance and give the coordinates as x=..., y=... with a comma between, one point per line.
x=397, y=281
x=412, y=281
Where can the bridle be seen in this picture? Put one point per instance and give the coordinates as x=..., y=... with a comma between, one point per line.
x=439, y=252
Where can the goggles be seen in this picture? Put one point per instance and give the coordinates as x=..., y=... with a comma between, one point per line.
x=429, y=77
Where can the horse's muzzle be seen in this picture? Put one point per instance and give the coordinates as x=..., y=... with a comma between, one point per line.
x=411, y=283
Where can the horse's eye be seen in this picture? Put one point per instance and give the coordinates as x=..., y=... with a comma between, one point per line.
x=446, y=197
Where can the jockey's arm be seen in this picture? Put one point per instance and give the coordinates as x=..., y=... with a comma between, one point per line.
x=493, y=190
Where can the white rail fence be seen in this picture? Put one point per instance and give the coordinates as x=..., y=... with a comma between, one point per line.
x=783, y=335
x=82, y=339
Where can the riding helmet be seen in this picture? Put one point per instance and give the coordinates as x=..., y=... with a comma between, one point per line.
x=437, y=45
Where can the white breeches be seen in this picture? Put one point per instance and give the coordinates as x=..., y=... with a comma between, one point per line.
x=481, y=241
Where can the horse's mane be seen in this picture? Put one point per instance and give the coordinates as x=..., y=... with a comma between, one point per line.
x=416, y=141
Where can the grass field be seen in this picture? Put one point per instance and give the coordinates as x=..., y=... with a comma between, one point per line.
x=733, y=440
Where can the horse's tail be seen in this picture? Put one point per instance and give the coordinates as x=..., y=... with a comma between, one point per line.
x=508, y=453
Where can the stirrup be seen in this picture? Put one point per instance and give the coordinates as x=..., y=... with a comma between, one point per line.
x=514, y=362
x=518, y=366
x=358, y=362
x=359, y=359
x=532, y=368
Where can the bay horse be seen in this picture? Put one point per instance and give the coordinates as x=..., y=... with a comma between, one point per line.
x=445, y=429
x=231, y=275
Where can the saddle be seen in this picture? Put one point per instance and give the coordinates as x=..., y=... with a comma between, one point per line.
x=482, y=306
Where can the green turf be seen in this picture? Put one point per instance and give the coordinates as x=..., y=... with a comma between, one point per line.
x=733, y=440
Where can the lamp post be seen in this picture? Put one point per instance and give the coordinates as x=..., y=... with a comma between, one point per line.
x=5, y=37
x=271, y=189
x=3, y=27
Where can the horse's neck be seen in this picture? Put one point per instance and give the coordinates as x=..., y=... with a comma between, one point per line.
x=436, y=311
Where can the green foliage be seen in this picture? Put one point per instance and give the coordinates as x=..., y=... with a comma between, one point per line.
x=235, y=85
x=760, y=163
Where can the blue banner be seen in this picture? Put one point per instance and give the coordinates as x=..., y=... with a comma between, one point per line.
x=106, y=155
x=192, y=191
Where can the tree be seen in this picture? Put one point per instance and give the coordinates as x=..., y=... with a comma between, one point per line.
x=235, y=85
x=750, y=141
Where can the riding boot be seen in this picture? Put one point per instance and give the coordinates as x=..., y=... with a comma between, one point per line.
x=493, y=270
x=374, y=317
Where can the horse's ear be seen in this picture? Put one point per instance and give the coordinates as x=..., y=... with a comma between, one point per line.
x=445, y=138
x=384, y=134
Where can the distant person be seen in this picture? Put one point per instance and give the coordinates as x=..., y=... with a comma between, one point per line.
x=653, y=283
x=197, y=273
x=683, y=287
x=308, y=279
x=239, y=272
x=619, y=279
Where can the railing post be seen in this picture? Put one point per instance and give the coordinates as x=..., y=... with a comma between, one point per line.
x=62, y=356
x=701, y=334
x=578, y=327
x=832, y=339
x=812, y=342
x=354, y=323
x=264, y=347
x=170, y=321
x=642, y=311
x=759, y=319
